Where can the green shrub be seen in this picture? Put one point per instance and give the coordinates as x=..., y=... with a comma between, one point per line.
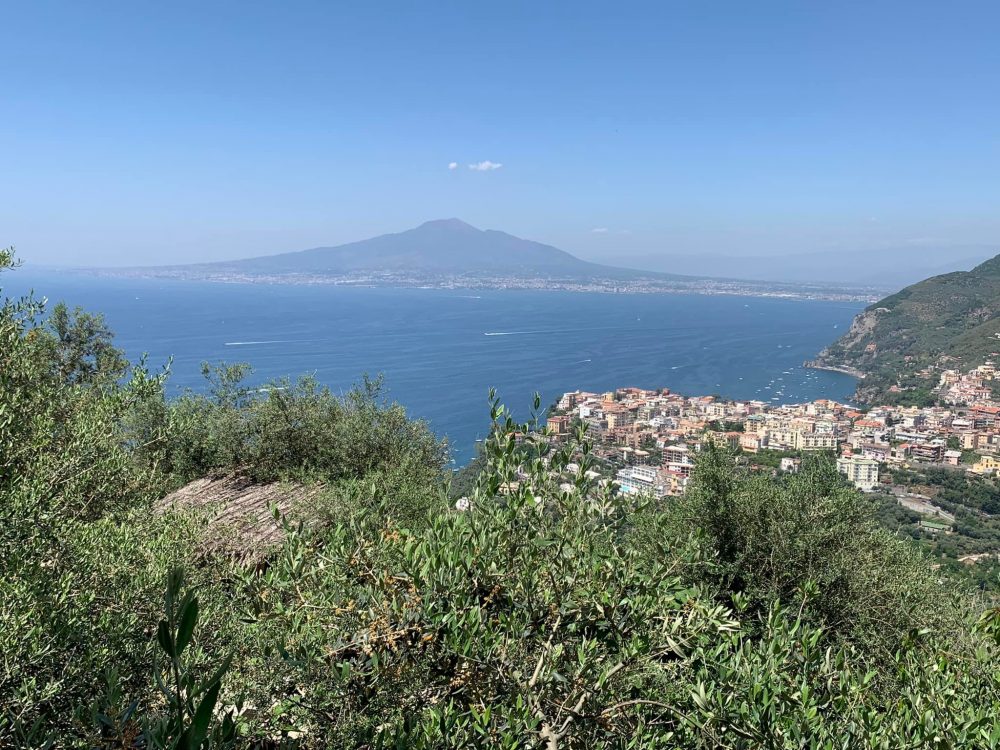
x=768, y=536
x=289, y=429
x=76, y=542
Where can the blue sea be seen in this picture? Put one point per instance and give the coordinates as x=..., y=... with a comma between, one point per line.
x=441, y=350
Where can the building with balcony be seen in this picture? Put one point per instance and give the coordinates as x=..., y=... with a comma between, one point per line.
x=860, y=471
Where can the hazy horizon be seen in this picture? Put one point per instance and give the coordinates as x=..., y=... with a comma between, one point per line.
x=625, y=136
x=887, y=270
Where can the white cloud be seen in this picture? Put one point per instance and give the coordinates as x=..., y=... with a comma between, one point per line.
x=485, y=166
x=453, y=165
x=599, y=230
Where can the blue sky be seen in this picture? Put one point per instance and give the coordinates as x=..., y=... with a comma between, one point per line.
x=171, y=132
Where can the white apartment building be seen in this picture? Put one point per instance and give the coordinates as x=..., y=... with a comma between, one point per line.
x=636, y=480
x=861, y=472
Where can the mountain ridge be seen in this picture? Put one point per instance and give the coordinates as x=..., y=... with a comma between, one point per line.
x=439, y=246
x=890, y=267
x=901, y=343
x=449, y=253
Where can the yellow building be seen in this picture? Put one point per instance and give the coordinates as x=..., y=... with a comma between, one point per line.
x=986, y=465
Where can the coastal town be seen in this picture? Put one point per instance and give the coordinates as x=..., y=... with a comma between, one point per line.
x=649, y=438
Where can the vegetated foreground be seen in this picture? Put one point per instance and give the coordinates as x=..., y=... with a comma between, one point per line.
x=544, y=610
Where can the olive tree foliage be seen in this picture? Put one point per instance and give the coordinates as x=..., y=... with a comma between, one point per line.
x=76, y=591
x=86, y=444
x=767, y=536
x=526, y=620
x=289, y=429
x=357, y=445
x=82, y=348
x=553, y=612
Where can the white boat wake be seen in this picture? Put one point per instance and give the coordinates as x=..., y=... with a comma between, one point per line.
x=514, y=333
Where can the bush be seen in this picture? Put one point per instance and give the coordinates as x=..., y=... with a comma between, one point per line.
x=78, y=551
x=768, y=536
x=86, y=445
x=289, y=429
x=547, y=617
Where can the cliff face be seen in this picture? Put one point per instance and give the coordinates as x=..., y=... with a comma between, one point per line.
x=850, y=350
x=900, y=343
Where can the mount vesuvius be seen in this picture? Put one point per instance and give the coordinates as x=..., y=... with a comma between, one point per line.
x=445, y=247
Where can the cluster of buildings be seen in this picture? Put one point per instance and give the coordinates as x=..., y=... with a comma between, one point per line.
x=653, y=435
x=971, y=387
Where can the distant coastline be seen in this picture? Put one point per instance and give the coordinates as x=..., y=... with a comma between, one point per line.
x=451, y=254
x=640, y=285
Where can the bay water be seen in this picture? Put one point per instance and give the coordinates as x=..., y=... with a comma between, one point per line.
x=441, y=350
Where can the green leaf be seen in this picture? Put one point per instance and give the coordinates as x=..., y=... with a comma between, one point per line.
x=163, y=636
x=189, y=618
x=203, y=715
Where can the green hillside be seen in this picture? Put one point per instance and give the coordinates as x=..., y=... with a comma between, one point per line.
x=906, y=339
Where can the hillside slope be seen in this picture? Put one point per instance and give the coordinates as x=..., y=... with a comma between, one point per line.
x=904, y=340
